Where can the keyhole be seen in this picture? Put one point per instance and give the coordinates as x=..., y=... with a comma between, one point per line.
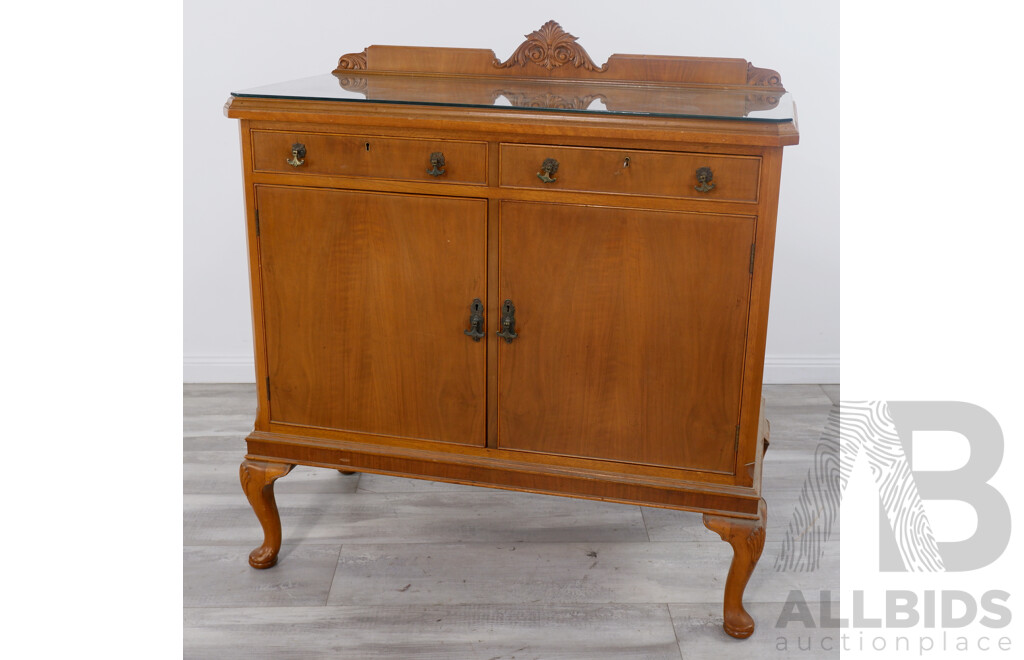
x=625, y=163
x=367, y=146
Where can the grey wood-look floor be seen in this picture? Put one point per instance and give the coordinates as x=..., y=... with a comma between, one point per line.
x=382, y=567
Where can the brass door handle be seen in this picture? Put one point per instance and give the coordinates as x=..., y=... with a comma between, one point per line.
x=298, y=155
x=704, y=176
x=476, y=321
x=547, y=170
x=436, y=164
x=508, y=322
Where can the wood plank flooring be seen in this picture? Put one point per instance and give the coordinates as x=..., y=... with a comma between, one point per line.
x=382, y=567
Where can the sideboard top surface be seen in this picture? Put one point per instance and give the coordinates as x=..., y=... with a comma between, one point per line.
x=575, y=96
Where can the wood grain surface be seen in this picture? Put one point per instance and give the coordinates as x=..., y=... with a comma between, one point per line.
x=631, y=329
x=366, y=298
x=370, y=156
x=630, y=172
x=552, y=52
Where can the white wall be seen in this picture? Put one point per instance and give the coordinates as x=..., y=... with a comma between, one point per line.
x=232, y=45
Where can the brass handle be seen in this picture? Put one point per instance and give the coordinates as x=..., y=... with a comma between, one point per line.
x=508, y=322
x=298, y=155
x=436, y=163
x=704, y=176
x=547, y=169
x=476, y=320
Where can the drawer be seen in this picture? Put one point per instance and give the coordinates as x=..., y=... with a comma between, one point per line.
x=631, y=172
x=370, y=156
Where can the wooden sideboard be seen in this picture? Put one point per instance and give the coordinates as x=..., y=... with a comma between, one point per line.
x=536, y=273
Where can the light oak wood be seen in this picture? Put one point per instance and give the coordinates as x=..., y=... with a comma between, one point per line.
x=367, y=297
x=370, y=156
x=747, y=540
x=544, y=127
x=258, y=483
x=644, y=367
x=641, y=301
x=631, y=172
x=551, y=52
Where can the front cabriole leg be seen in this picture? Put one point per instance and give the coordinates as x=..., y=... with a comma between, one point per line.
x=258, y=483
x=747, y=540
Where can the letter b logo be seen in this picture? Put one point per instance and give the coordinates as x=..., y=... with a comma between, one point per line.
x=967, y=484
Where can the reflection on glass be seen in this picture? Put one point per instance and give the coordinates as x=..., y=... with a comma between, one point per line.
x=587, y=97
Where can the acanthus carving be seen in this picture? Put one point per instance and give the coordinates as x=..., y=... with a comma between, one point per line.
x=352, y=61
x=762, y=77
x=550, y=47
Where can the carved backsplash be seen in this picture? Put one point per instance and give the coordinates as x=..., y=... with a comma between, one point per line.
x=552, y=53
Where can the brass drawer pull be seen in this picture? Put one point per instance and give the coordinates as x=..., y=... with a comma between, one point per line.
x=547, y=170
x=704, y=176
x=298, y=155
x=476, y=320
x=436, y=164
x=508, y=322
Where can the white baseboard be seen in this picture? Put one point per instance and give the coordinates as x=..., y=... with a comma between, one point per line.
x=219, y=369
x=801, y=369
x=778, y=369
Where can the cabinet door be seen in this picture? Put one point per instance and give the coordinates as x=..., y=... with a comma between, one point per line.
x=631, y=328
x=366, y=297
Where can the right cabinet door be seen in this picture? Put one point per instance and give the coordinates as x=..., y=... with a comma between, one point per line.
x=631, y=331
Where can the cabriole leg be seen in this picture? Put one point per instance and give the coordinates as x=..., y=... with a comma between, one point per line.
x=258, y=483
x=747, y=540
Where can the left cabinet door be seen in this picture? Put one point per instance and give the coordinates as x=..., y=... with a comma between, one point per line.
x=366, y=297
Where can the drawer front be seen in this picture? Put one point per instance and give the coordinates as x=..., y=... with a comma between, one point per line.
x=370, y=156
x=631, y=172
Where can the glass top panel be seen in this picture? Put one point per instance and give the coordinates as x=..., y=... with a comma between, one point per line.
x=583, y=96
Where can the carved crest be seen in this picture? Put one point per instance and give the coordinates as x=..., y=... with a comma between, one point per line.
x=550, y=47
